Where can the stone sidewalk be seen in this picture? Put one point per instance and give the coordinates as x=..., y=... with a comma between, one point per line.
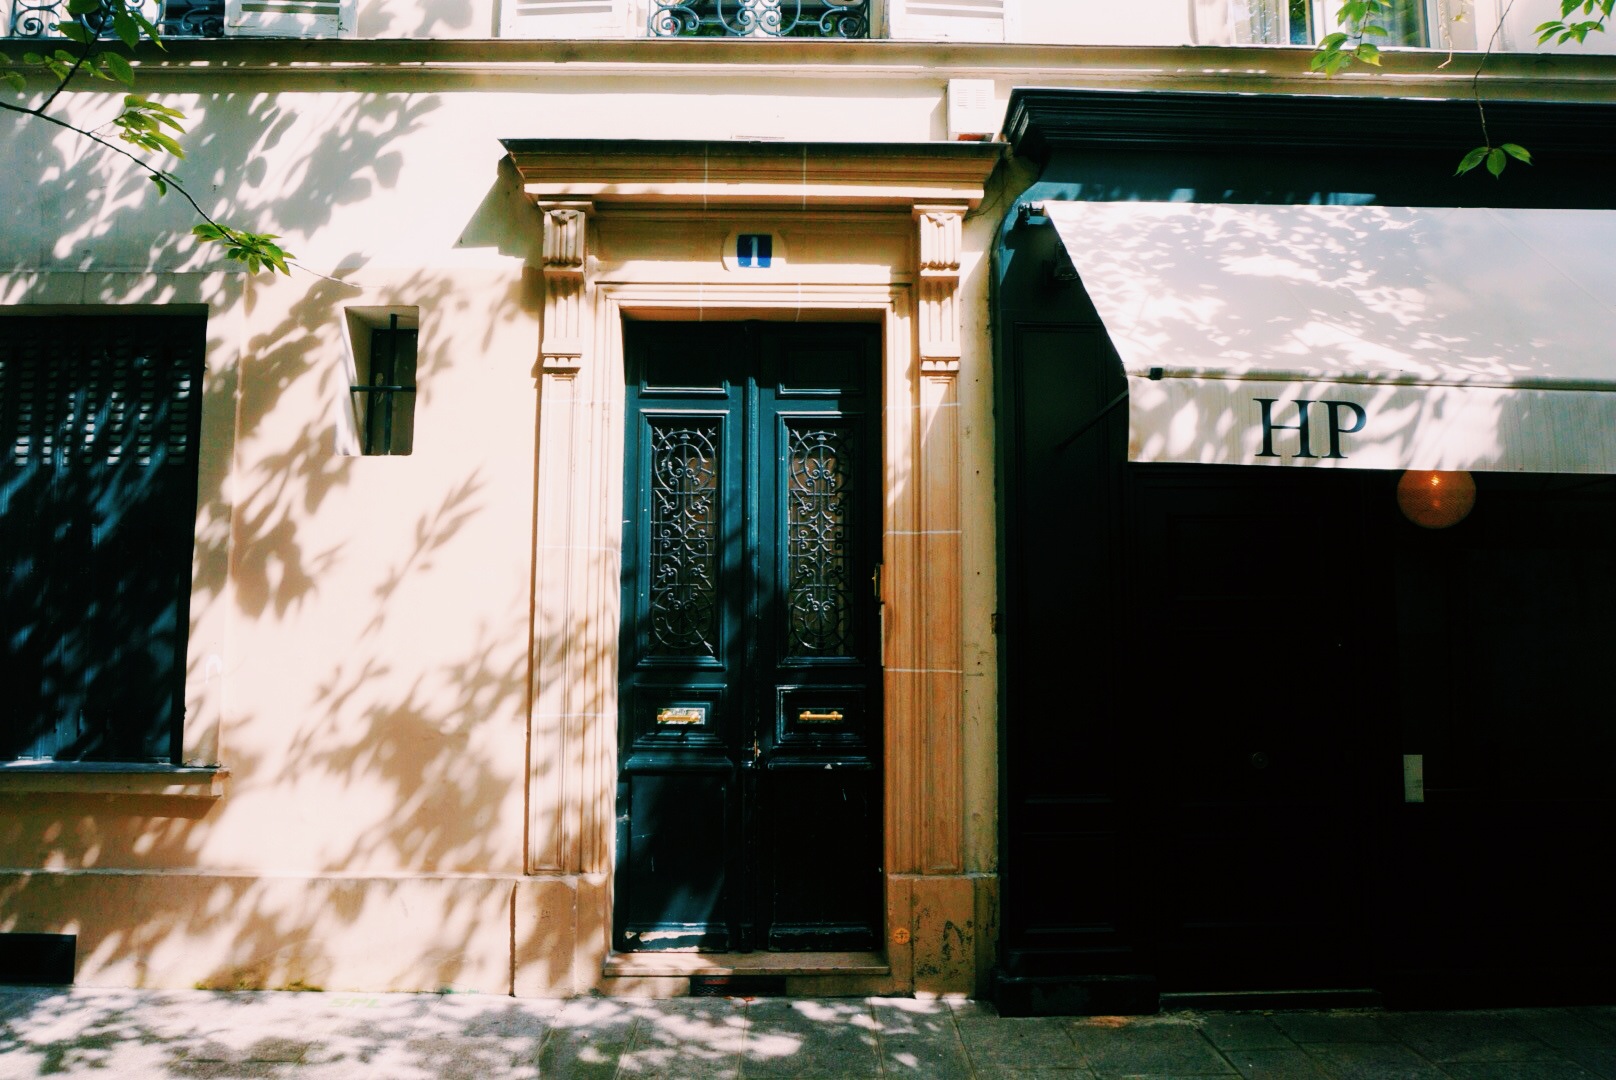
x=125, y=1034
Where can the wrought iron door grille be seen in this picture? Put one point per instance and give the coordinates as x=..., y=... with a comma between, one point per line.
x=760, y=18
x=173, y=18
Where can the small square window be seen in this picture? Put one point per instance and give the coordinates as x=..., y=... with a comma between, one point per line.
x=383, y=389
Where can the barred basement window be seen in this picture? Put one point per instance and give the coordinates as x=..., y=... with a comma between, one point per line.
x=384, y=390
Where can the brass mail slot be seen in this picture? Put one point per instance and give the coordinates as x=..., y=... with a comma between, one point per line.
x=809, y=716
x=683, y=714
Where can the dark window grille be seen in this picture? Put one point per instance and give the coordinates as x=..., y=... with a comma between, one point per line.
x=98, y=473
x=173, y=18
x=759, y=18
x=384, y=399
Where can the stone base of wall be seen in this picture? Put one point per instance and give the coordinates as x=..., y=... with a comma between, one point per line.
x=540, y=936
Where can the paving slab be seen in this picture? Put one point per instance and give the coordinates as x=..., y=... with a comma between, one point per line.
x=1270, y=1063
x=811, y=1038
x=919, y=1039
x=695, y=1038
x=1244, y=1031
x=1333, y=1026
x=1519, y=1070
x=1372, y=1061
x=1148, y=1046
x=1468, y=1037
x=994, y=1042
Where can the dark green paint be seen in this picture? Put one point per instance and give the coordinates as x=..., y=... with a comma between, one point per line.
x=757, y=827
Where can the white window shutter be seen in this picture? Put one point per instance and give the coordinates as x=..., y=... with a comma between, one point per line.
x=949, y=20
x=291, y=18
x=563, y=18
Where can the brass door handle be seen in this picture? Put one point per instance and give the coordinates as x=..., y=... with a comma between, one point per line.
x=809, y=716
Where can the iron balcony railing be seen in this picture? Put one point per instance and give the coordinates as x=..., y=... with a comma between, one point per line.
x=760, y=18
x=174, y=18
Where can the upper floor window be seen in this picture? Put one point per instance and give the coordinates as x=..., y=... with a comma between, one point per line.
x=173, y=18
x=759, y=18
x=1303, y=22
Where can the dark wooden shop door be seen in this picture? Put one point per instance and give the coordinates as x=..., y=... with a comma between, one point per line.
x=1259, y=706
x=749, y=724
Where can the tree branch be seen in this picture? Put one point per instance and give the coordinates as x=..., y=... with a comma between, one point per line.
x=72, y=71
x=166, y=178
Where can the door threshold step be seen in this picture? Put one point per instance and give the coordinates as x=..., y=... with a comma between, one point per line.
x=1328, y=998
x=686, y=964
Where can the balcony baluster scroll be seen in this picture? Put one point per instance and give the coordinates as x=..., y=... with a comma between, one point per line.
x=173, y=18
x=760, y=18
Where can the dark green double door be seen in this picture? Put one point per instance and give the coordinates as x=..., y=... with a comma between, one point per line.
x=749, y=724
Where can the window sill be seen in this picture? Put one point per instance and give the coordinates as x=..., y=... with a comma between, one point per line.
x=112, y=778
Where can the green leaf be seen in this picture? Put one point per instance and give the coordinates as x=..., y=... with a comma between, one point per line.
x=82, y=7
x=1496, y=160
x=75, y=31
x=1332, y=41
x=162, y=185
x=32, y=58
x=1372, y=28
x=148, y=29
x=207, y=232
x=1516, y=151
x=125, y=27
x=1369, y=54
x=1471, y=160
x=169, y=144
x=16, y=80
x=119, y=67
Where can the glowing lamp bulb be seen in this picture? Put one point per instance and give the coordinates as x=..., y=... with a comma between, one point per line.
x=1436, y=500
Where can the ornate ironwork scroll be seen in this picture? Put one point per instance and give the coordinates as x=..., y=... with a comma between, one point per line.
x=760, y=18
x=819, y=598
x=174, y=18
x=684, y=538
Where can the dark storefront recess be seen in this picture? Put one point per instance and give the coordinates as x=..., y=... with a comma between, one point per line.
x=1212, y=674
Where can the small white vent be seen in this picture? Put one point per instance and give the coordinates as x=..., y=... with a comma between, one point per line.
x=964, y=20
x=290, y=18
x=563, y=18
x=973, y=115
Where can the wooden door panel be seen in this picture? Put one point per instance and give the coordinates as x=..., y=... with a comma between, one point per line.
x=749, y=671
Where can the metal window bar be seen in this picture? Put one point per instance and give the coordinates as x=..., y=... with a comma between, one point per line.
x=759, y=18
x=173, y=18
x=385, y=422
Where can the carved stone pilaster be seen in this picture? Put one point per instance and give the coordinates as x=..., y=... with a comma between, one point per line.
x=567, y=324
x=940, y=230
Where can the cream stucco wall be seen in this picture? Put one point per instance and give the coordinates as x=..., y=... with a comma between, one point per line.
x=370, y=656
x=363, y=631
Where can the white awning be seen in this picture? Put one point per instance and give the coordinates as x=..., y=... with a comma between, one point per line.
x=1391, y=337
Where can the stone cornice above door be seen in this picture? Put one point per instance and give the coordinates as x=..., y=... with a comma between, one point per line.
x=708, y=175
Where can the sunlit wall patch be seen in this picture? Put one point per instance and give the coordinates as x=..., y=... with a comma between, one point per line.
x=754, y=250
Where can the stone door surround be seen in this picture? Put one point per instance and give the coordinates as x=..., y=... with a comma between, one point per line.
x=634, y=230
